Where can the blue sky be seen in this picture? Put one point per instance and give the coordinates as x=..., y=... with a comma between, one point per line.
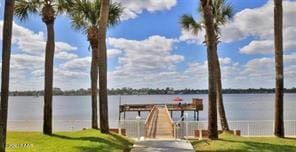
x=148, y=48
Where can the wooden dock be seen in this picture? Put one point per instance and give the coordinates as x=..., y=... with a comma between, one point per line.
x=159, y=123
x=195, y=107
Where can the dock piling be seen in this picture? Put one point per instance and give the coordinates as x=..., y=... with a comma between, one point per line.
x=182, y=115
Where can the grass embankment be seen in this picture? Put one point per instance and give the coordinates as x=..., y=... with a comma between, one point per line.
x=230, y=143
x=86, y=140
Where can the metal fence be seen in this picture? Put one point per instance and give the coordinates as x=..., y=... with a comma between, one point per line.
x=186, y=128
x=132, y=129
x=58, y=125
x=246, y=127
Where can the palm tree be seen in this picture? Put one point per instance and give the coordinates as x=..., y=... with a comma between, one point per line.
x=84, y=15
x=6, y=51
x=222, y=11
x=279, y=129
x=211, y=43
x=48, y=9
x=102, y=28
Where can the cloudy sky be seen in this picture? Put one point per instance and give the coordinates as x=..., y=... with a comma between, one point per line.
x=148, y=49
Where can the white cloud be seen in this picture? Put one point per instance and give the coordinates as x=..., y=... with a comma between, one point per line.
x=258, y=23
x=143, y=60
x=21, y=67
x=256, y=73
x=259, y=67
x=113, y=53
x=66, y=56
x=260, y=72
x=189, y=37
x=250, y=22
x=151, y=54
x=135, y=7
x=225, y=61
x=79, y=64
x=198, y=73
x=27, y=62
x=63, y=75
x=33, y=42
x=258, y=47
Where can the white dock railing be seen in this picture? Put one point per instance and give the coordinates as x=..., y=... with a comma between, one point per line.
x=247, y=127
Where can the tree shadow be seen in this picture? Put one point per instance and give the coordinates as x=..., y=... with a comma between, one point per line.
x=250, y=146
x=119, y=143
x=100, y=149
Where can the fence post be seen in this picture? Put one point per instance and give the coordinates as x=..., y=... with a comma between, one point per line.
x=186, y=127
x=72, y=124
x=272, y=126
x=248, y=128
x=138, y=126
x=200, y=134
x=175, y=135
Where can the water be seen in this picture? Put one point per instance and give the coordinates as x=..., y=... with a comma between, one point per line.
x=237, y=106
x=74, y=112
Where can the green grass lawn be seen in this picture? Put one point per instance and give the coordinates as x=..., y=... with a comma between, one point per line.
x=86, y=141
x=230, y=143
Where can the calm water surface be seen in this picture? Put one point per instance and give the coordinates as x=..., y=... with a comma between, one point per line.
x=238, y=106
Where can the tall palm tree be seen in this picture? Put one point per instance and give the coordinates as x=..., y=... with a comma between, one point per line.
x=102, y=28
x=6, y=51
x=279, y=129
x=84, y=16
x=211, y=46
x=222, y=12
x=48, y=9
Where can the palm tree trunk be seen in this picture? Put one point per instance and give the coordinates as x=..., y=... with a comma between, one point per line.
x=94, y=88
x=103, y=19
x=220, y=104
x=48, y=79
x=279, y=84
x=211, y=40
x=6, y=51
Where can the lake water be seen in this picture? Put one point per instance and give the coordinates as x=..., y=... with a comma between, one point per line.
x=237, y=106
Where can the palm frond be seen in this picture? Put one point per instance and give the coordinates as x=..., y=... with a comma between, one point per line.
x=227, y=10
x=188, y=23
x=62, y=6
x=79, y=23
x=24, y=7
x=115, y=12
x=85, y=13
x=222, y=11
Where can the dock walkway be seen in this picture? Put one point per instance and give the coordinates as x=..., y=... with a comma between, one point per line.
x=159, y=123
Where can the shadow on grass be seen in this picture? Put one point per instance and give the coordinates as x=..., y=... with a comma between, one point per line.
x=103, y=145
x=101, y=149
x=248, y=146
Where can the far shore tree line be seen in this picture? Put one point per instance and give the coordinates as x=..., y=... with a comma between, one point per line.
x=148, y=91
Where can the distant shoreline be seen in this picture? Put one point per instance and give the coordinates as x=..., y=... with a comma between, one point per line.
x=147, y=91
x=41, y=95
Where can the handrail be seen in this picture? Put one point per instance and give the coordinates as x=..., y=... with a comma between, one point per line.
x=150, y=113
x=167, y=110
x=150, y=116
x=171, y=120
x=154, y=124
